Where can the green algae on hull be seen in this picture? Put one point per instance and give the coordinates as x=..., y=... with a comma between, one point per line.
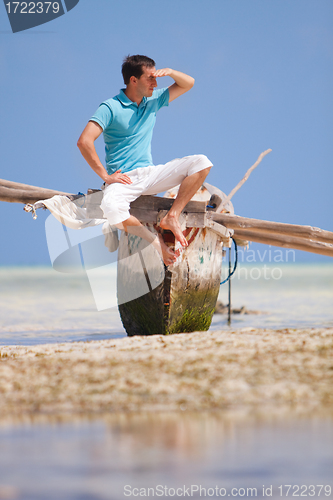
x=192, y=321
x=150, y=320
x=193, y=310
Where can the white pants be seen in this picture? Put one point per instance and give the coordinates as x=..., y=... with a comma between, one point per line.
x=148, y=180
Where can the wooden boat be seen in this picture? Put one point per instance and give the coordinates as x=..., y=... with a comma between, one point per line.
x=153, y=299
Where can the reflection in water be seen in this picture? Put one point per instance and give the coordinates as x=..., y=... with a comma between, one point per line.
x=43, y=458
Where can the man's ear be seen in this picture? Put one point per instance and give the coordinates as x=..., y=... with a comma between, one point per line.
x=133, y=80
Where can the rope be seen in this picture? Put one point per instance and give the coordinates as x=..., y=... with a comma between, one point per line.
x=30, y=208
x=34, y=216
x=235, y=265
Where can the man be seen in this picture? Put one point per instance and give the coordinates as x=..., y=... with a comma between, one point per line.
x=127, y=123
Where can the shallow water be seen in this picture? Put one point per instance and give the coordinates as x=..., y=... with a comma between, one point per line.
x=40, y=305
x=290, y=295
x=108, y=457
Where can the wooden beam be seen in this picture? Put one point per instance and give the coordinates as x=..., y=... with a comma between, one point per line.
x=13, y=195
x=25, y=187
x=222, y=231
x=274, y=228
x=283, y=241
x=147, y=216
x=142, y=205
x=148, y=202
x=307, y=238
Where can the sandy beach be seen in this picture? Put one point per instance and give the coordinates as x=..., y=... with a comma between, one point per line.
x=198, y=371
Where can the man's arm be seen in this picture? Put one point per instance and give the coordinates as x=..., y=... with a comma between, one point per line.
x=87, y=147
x=182, y=84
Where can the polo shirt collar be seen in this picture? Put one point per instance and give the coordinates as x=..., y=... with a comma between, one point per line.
x=122, y=97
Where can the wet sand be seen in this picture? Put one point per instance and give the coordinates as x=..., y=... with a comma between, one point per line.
x=246, y=368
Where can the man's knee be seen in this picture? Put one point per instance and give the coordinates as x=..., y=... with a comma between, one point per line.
x=203, y=159
x=200, y=164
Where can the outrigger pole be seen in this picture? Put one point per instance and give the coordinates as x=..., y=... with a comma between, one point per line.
x=306, y=238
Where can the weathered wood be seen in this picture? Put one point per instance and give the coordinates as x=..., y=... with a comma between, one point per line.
x=144, y=216
x=149, y=202
x=286, y=242
x=27, y=196
x=195, y=219
x=268, y=227
x=25, y=187
x=219, y=229
x=214, y=202
x=92, y=191
x=146, y=208
x=214, y=191
x=148, y=216
x=307, y=238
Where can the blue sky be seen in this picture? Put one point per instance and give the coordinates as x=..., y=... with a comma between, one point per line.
x=264, y=79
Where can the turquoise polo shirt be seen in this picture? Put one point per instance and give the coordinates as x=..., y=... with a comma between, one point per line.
x=128, y=129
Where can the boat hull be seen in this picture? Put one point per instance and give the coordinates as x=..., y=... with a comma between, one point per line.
x=153, y=299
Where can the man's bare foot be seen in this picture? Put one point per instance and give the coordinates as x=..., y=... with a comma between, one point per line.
x=167, y=254
x=171, y=223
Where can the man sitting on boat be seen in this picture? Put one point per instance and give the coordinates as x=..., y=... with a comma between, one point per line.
x=127, y=121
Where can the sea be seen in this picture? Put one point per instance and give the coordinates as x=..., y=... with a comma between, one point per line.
x=39, y=305
x=236, y=453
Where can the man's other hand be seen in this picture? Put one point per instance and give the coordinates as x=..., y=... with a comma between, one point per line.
x=182, y=84
x=163, y=72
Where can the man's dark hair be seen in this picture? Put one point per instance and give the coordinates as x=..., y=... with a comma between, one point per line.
x=132, y=66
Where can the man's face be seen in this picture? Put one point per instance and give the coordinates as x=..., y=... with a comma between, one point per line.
x=147, y=82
